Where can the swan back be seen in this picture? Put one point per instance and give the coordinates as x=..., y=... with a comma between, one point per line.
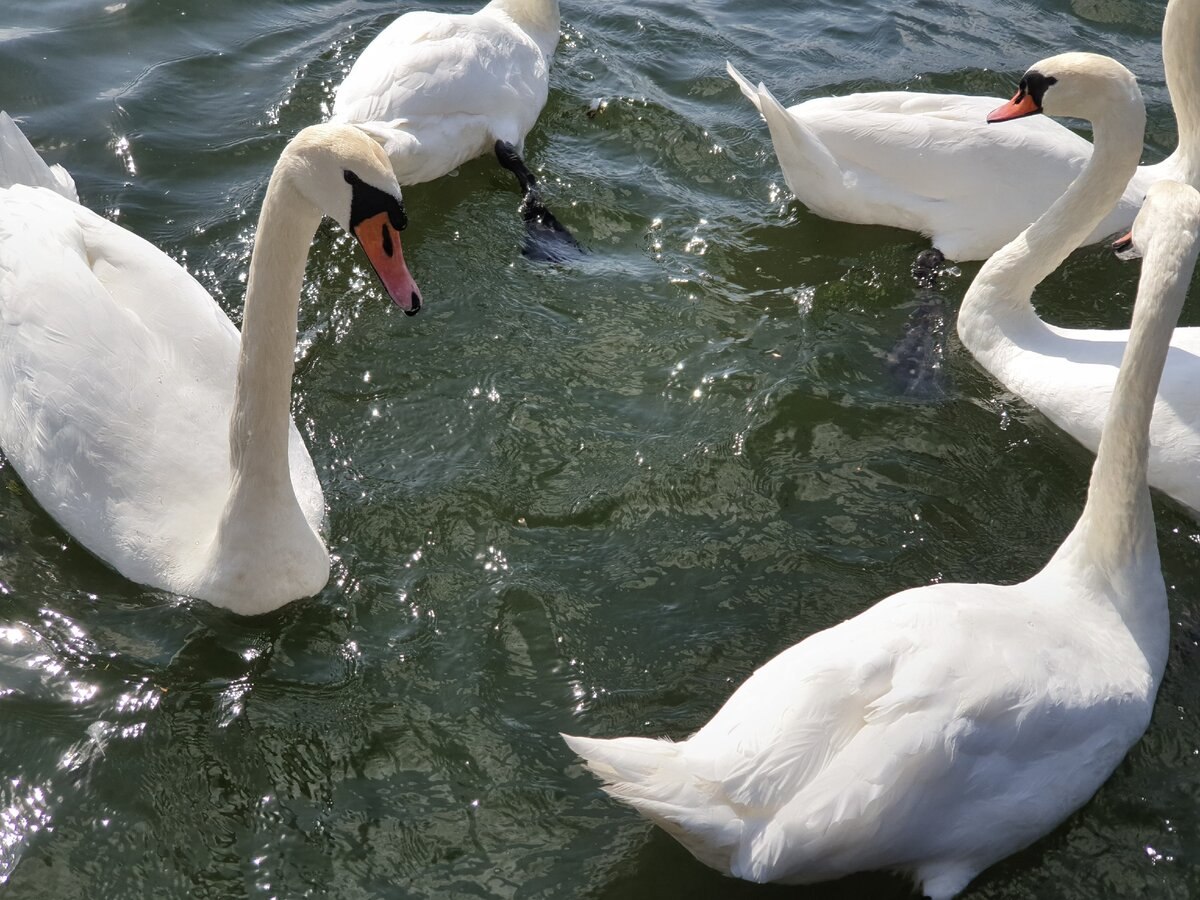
x=438, y=89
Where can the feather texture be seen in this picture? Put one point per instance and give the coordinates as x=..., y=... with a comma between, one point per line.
x=949, y=726
x=438, y=89
x=931, y=163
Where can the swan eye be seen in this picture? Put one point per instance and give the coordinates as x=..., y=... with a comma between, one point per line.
x=1035, y=85
x=367, y=201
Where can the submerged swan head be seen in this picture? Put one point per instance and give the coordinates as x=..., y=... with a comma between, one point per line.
x=346, y=175
x=1082, y=85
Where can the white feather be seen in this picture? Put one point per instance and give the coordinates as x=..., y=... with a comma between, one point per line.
x=438, y=89
x=118, y=386
x=949, y=726
x=931, y=163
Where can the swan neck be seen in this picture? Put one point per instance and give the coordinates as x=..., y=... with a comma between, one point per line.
x=1117, y=524
x=1181, y=64
x=998, y=306
x=539, y=18
x=260, y=423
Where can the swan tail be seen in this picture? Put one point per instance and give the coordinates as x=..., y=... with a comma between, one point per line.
x=748, y=89
x=655, y=778
x=809, y=168
x=20, y=163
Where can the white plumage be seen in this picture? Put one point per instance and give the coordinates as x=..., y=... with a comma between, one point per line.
x=438, y=89
x=931, y=163
x=131, y=407
x=1069, y=373
x=950, y=725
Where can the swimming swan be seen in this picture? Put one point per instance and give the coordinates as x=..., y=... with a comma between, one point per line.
x=949, y=726
x=930, y=163
x=1069, y=373
x=438, y=89
x=133, y=411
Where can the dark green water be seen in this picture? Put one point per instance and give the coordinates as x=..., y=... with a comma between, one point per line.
x=590, y=498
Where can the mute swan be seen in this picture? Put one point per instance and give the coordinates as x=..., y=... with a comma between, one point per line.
x=438, y=89
x=131, y=408
x=949, y=726
x=929, y=162
x=1069, y=373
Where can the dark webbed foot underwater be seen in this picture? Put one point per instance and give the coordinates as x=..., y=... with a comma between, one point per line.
x=917, y=361
x=546, y=238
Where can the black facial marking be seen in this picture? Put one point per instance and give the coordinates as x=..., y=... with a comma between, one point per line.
x=367, y=201
x=1034, y=84
x=387, y=241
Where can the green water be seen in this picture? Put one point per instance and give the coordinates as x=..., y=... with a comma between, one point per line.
x=588, y=498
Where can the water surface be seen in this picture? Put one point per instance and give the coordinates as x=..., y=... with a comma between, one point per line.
x=587, y=498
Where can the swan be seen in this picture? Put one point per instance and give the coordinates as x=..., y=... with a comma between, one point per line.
x=132, y=410
x=929, y=162
x=1069, y=374
x=439, y=89
x=950, y=725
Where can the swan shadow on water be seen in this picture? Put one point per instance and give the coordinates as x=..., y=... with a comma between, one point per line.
x=916, y=362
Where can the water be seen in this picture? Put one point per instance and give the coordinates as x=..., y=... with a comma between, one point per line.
x=588, y=498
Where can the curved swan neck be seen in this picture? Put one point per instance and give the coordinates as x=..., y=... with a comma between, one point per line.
x=1117, y=522
x=999, y=298
x=259, y=425
x=1181, y=64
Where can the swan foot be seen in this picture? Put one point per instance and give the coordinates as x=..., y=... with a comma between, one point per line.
x=928, y=265
x=917, y=361
x=546, y=238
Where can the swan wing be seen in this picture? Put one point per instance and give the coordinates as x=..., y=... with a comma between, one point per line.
x=856, y=747
x=118, y=372
x=926, y=162
x=435, y=65
x=966, y=733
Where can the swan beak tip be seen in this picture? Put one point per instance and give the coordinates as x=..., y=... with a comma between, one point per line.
x=381, y=243
x=1123, y=247
x=1018, y=107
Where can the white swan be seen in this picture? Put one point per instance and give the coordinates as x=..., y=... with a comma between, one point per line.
x=1069, y=373
x=949, y=725
x=929, y=162
x=438, y=89
x=129, y=405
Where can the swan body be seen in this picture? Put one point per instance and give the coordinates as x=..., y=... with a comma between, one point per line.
x=133, y=410
x=949, y=725
x=438, y=89
x=1069, y=373
x=931, y=163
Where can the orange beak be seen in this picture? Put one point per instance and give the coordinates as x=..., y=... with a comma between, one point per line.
x=1021, y=105
x=1123, y=246
x=381, y=242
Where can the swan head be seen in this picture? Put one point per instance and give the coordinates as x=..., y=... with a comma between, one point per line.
x=346, y=175
x=1079, y=85
x=1171, y=209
